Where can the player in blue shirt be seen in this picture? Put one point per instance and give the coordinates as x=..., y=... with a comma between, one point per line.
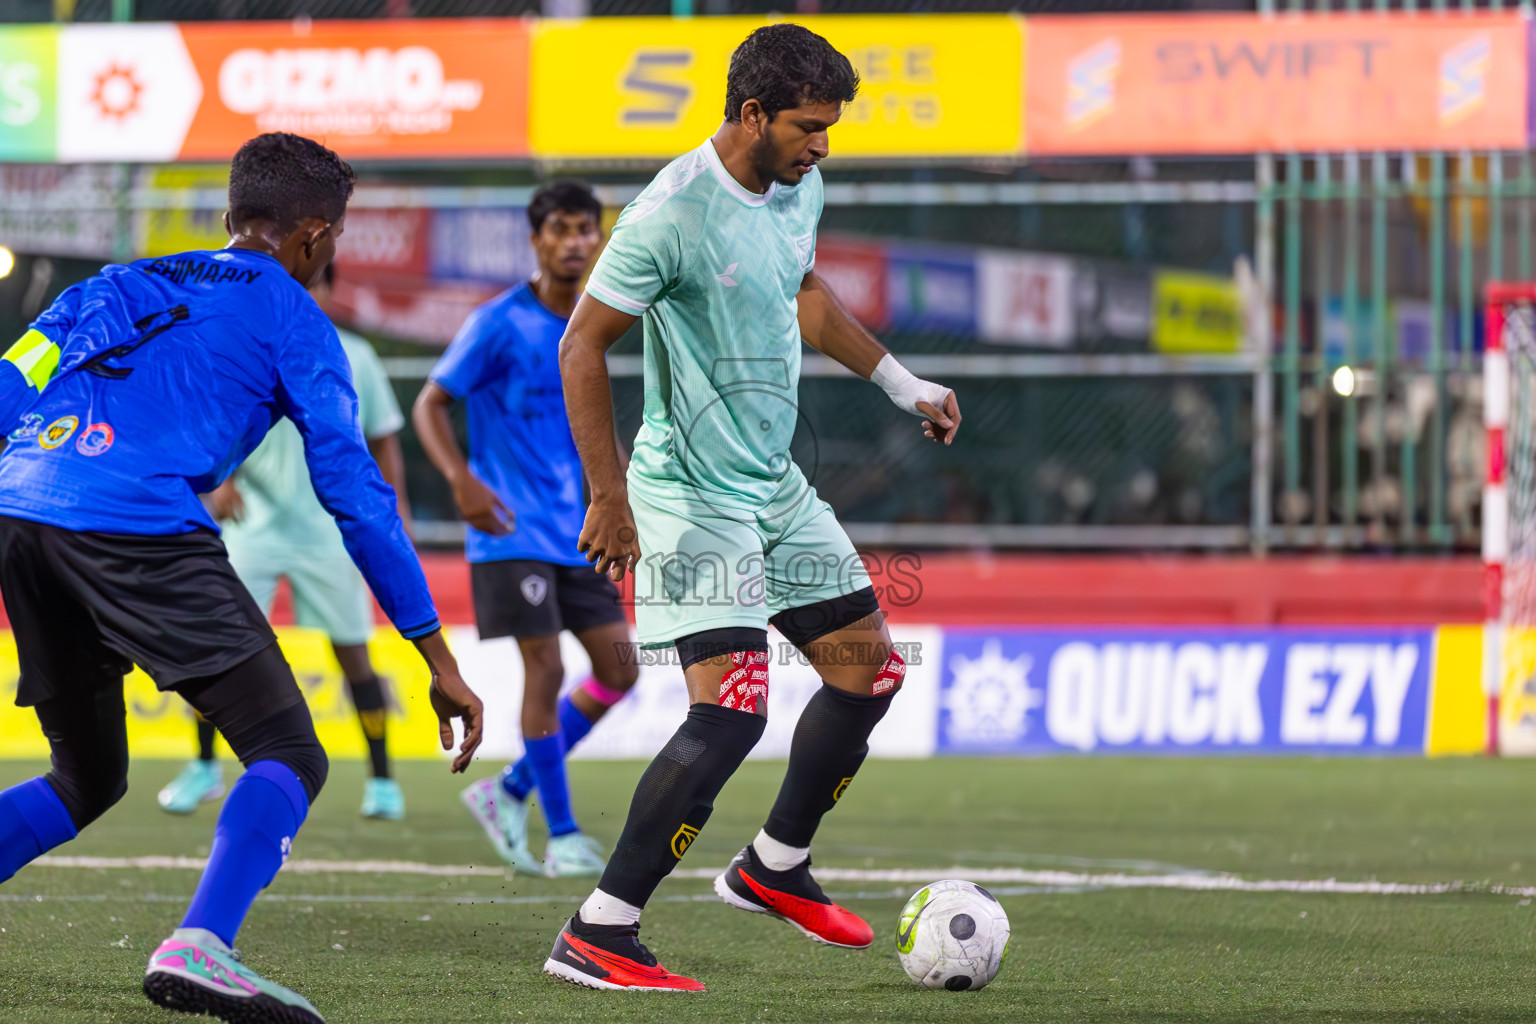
x=136, y=391
x=521, y=492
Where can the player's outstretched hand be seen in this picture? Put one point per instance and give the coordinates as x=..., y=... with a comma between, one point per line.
x=481, y=508
x=941, y=424
x=608, y=537
x=452, y=698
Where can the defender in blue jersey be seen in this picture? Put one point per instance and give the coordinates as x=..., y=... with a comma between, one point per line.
x=138, y=390
x=522, y=494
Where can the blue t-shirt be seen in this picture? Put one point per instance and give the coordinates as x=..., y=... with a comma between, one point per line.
x=145, y=386
x=505, y=366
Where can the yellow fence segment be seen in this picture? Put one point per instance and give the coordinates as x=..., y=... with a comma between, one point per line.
x=161, y=724
x=1458, y=717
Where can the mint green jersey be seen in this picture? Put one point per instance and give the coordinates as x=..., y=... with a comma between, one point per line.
x=281, y=510
x=714, y=270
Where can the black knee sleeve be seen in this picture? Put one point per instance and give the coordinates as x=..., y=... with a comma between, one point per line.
x=287, y=737
x=259, y=710
x=676, y=796
x=813, y=621
x=717, y=643
x=89, y=743
x=830, y=743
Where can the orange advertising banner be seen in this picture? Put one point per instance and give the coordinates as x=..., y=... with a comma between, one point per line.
x=1243, y=83
x=370, y=90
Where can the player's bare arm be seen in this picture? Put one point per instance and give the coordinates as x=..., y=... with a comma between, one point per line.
x=451, y=698
x=828, y=327
x=386, y=452
x=477, y=504
x=228, y=504
x=608, y=537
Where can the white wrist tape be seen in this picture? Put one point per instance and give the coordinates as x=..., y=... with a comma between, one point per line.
x=906, y=390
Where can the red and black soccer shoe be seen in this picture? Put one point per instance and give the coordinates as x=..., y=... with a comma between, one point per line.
x=611, y=956
x=791, y=896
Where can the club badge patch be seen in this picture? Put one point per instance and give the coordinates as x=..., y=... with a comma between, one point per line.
x=96, y=439
x=534, y=588
x=31, y=426
x=57, y=432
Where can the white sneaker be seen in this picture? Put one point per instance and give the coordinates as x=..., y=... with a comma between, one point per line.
x=504, y=820
x=573, y=855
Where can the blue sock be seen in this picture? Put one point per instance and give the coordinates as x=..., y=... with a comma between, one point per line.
x=33, y=820
x=261, y=815
x=574, y=726
x=548, y=758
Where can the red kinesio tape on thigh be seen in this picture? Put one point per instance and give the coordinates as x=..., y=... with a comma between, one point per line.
x=746, y=682
x=890, y=675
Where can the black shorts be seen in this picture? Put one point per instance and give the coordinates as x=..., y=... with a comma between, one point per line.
x=524, y=598
x=86, y=607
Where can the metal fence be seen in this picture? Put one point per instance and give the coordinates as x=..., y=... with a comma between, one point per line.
x=1352, y=420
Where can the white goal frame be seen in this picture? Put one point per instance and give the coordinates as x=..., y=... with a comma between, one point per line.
x=1496, y=512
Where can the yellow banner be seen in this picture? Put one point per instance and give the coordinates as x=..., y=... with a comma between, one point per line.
x=932, y=85
x=181, y=228
x=161, y=724
x=1195, y=313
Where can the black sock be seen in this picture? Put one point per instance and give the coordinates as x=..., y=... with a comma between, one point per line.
x=205, y=736
x=368, y=699
x=675, y=797
x=831, y=740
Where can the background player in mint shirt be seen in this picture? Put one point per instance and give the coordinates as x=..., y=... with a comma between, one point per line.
x=138, y=390
x=275, y=527
x=723, y=532
x=522, y=493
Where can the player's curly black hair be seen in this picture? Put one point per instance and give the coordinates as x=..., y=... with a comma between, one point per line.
x=572, y=196
x=285, y=178
x=783, y=66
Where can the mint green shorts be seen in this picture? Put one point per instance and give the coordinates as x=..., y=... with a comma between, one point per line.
x=707, y=567
x=328, y=592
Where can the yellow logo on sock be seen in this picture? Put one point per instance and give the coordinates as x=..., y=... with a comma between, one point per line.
x=684, y=839
x=374, y=723
x=837, y=794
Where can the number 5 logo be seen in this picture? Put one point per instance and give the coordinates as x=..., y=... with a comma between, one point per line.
x=659, y=77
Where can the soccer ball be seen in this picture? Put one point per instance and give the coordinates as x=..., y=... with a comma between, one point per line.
x=952, y=934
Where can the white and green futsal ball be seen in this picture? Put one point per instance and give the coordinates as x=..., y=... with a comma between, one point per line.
x=952, y=934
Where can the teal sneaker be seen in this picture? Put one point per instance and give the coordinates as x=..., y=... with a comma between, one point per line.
x=383, y=800
x=573, y=855
x=199, y=782
x=505, y=821
x=194, y=972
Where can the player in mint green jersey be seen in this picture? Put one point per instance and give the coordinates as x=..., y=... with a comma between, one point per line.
x=274, y=527
x=720, y=528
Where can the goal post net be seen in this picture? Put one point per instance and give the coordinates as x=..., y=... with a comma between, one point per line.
x=1509, y=519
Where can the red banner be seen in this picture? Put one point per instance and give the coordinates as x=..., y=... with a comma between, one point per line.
x=378, y=242
x=856, y=273
x=1239, y=83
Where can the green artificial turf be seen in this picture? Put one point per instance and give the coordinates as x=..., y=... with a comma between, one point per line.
x=392, y=947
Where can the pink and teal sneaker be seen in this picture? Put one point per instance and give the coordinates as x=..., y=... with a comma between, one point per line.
x=194, y=972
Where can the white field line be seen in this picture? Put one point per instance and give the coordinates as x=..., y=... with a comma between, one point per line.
x=996, y=876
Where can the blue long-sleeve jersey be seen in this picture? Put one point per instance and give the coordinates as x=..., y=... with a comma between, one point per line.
x=147, y=385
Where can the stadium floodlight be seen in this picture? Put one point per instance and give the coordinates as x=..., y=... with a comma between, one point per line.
x=1344, y=381
x=7, y=261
